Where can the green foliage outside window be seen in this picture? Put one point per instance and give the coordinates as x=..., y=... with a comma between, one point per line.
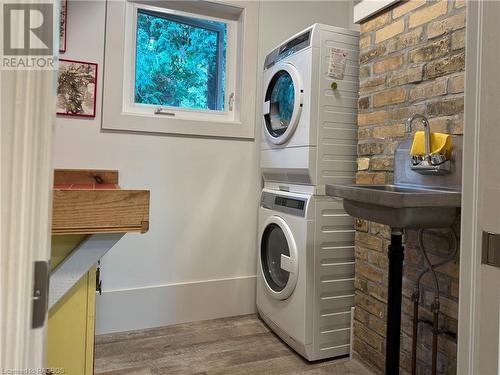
x=180, y=61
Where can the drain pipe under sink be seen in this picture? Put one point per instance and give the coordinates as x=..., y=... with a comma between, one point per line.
x=394, y=289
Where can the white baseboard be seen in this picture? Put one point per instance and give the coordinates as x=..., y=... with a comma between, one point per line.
x=156, y=306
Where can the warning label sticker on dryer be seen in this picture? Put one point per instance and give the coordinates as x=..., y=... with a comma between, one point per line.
x=338, y=59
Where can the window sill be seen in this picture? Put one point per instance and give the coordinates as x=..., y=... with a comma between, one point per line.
x=131, y=122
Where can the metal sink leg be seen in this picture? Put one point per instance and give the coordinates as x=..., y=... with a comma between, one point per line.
x=393, y=329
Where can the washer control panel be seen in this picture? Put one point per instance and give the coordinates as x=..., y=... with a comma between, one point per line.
x=283, y=203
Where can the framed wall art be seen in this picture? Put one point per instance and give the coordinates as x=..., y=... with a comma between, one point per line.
x=63, y=25
x=76, y=88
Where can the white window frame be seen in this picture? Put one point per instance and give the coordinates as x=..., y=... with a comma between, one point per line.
x=129, y=104
x=120, y=112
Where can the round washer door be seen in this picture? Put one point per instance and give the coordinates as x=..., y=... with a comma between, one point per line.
x=278, y=258
x=282, y=103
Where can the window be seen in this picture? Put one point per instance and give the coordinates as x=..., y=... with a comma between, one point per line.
x=181, y=67
x=182, y=64
x=180, y=61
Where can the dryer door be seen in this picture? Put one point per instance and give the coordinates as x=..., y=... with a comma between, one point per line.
x=282, y=103
x=278, y=258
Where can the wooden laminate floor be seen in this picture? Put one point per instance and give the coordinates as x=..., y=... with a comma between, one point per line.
x=231, y=346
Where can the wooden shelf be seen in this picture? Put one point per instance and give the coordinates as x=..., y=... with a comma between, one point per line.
x=90, y=201
x=85, y=176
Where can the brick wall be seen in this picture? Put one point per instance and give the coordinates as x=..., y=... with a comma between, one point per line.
x=412, y=61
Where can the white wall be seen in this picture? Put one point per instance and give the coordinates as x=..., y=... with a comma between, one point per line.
x=281, y=19
x=198, y=260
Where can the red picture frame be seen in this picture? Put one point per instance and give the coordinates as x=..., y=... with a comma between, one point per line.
x=63, y=17
x=76, y=104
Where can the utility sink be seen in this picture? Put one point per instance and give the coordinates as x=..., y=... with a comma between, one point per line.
x=414, y=200
x=400, y=206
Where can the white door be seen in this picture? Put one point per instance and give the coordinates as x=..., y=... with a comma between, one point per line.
x=27, y=114
x=479, y=315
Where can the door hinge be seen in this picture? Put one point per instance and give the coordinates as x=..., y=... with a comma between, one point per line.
x=491, y=249
x=40, y=293
x=98, y=281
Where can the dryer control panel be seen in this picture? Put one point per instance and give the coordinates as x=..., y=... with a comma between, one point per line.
x=282, y=203
x=286, y=49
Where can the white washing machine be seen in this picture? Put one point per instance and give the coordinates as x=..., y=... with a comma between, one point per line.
x=305, y=283
x=309, y=132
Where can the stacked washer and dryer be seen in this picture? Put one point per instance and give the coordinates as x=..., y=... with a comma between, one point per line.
x=305, y=283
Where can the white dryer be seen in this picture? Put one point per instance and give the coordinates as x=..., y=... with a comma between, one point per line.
x=309, y=134
x=305, y=283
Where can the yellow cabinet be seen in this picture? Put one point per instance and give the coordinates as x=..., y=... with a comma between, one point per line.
x=72, y=320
